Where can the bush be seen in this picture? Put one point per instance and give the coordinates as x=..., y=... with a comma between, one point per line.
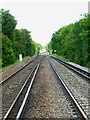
x=7, y=51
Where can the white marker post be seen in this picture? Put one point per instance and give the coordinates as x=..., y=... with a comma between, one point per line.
x=20, y=57
x=54, y=51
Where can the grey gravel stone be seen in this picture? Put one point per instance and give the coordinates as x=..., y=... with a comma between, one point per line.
x=11, y=88
x=77, y=85
x=46, y=99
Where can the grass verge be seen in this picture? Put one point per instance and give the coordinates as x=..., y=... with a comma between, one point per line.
x=60, y=57
x=17, y=62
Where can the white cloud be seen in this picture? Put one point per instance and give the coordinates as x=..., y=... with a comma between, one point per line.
x=44, y=18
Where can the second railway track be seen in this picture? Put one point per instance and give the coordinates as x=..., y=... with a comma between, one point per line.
x=78, y=85
x=81, y=72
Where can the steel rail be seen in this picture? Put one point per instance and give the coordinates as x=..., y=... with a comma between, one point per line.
x=26, y=96
x=75, y=103
x=77, y=70
x=14, y=73
x=18, y=96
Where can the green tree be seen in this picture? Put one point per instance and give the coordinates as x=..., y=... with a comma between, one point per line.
x=49, y=47
x=35, y=48
x=15, y=41
x=7, y=54
x=72, y=41
x=0, y=36
x=8, y=23
x=85, y=36
x=22, y=42
x=26, y=42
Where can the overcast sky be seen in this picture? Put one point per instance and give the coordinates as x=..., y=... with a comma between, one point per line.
x=44, y=17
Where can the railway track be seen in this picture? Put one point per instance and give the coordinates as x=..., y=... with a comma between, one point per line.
x=85, y=75
x=77, y=106
x=11, y=85
x=22, y=96
x=7, y=78
x=78, y=85
x=19, y=105
x=80, y=72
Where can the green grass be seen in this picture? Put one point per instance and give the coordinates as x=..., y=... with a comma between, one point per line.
x=60, y=57
x=63, y=58
x=7, y=67
x=17, y=62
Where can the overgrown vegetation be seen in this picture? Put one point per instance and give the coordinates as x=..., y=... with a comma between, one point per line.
x=73, y=42
x=15, y=41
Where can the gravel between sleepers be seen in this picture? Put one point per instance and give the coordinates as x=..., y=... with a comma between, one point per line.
x=11, y=88
x=13, y=68
x=46, y=99
x=77, y=85
x=81, y=67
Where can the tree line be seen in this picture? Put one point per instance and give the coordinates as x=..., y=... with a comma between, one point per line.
x=73, y=41
x=15, y=41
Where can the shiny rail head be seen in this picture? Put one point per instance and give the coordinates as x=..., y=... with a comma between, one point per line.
x=14, y=102
x=26, y=96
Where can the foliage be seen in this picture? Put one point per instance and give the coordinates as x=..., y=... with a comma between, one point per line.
x=35, y=47
x=22, y=42
x=8, y=54
x=8, y=23
x=15, y=41
x=72, y=41
x=49, y=47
